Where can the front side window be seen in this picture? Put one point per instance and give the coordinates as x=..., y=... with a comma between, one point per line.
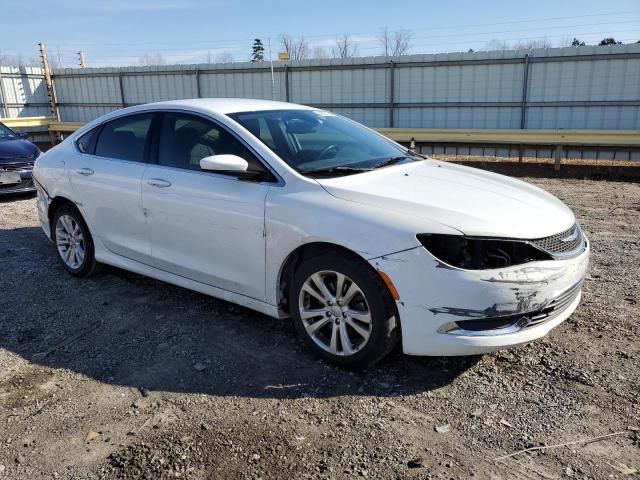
x=186, y=139
x=317, y=142
x=125, y=138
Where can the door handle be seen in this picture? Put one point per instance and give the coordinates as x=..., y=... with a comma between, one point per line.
x=84, y=171
x=158, y=182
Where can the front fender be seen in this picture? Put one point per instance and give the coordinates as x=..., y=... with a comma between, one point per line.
x=296, y=217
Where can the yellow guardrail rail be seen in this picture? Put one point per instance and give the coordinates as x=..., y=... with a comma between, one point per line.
x=28, y=122
x=617, y=138
x=65, y=127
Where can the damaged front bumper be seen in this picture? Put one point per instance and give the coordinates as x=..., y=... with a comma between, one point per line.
x=448, y=311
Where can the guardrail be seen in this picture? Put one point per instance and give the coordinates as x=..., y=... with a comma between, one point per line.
x=627, y=139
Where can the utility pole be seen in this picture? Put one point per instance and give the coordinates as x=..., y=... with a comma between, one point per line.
x=50, y=92
x=81, y=59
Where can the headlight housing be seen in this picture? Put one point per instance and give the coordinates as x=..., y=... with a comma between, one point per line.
x=477, y=253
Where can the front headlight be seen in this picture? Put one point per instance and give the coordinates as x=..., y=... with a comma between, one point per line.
x=480, y=253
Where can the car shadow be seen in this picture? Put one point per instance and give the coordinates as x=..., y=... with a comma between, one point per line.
x=125, y=329
x=11, y=197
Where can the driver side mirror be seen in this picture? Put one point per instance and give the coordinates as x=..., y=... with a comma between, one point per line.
x=224, y=164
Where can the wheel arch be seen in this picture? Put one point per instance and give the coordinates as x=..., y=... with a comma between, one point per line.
x=303, y=252
x=55, y=204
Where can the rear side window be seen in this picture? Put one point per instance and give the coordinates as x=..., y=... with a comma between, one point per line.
x=125, y=138
x=87, y=142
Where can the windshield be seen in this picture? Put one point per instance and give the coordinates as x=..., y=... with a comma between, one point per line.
x=6, y=132
x=316, y=142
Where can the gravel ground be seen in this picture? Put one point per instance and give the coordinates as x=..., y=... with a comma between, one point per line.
x=121, y=376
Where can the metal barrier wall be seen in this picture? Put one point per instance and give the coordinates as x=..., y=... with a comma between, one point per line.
x=592, y=87
x=22, y=92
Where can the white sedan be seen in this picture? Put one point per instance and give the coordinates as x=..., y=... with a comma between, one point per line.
x=298, y=212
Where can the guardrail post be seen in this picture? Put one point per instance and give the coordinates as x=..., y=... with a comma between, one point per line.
x=392, y=93
x=286, y=83
x=525, y=88
x=558, y=157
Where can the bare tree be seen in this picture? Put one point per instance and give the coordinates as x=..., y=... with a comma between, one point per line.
x=395, y=43
x=149, y=59
x=532, y=44
x=497, y=45
x=523, y=45
x=222, y=57
x=345, y=47
x=319, y=52
x=297, y=49
x=18, y=60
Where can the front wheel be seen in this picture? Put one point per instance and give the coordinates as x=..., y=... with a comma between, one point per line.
x=343, y=310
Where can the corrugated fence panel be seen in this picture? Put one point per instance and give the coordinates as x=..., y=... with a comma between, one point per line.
x=577, y=118
x=595, y=87
x=457, y=117
x=372, y=117
x=23, y=92
x=242, y=84
x=585, y=80
x=81, y=89
x=145, y=87
x=458, y=83
x=329, y=86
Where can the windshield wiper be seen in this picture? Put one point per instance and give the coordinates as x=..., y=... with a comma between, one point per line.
x=337, y=170
x=391, y=161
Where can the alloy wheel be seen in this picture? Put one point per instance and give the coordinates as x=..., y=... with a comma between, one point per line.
x=335, y=313
x=70, y=241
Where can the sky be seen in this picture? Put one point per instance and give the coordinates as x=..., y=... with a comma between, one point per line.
x=120, y=32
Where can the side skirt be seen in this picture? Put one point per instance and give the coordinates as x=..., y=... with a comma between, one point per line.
x=104, y=256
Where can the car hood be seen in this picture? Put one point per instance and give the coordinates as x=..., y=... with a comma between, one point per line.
x=473, y=201
x=17, y=150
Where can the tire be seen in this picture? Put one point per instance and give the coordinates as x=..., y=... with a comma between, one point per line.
x=335, y=329
x=73, y=242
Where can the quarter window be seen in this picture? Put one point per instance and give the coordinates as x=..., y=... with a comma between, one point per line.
x=186, y=139
x=125, y=138
x=87, y=142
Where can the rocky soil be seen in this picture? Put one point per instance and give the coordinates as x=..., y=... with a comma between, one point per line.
x=121, y=376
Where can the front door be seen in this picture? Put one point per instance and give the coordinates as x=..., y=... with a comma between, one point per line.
x=204, y=226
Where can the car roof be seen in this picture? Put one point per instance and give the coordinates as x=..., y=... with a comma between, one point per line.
x=226, y=105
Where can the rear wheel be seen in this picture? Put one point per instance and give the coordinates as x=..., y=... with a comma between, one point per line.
x=74, y=244
x=343, y=311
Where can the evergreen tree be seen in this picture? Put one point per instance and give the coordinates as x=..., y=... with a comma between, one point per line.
x=609, y=41
x=258, y=51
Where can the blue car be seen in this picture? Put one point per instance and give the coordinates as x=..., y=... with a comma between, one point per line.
x=17, y=157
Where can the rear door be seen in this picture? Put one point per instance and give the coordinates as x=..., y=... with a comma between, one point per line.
x=205, y=226
x=106, y=178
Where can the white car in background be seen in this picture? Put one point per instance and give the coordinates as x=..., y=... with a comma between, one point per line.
x=294, y=211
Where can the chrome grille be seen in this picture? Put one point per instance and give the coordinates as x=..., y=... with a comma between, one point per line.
x=562, y=244
x=556, y=306
x=16, y=167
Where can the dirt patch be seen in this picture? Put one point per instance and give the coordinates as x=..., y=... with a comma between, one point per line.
x=161, y=382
